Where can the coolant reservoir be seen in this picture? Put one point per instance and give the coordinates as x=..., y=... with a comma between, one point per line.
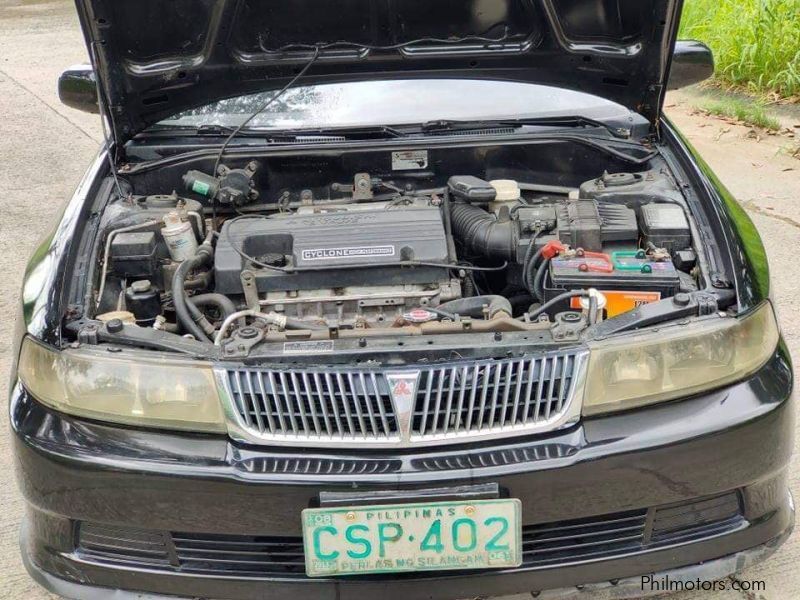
x=179, y=236
x=508, y=193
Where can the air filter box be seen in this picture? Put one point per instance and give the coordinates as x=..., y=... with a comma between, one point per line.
x=589, y=224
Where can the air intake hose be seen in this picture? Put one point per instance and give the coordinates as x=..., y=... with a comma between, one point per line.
x=481, y=232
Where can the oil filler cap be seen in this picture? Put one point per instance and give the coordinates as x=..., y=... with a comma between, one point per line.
x=273, y=259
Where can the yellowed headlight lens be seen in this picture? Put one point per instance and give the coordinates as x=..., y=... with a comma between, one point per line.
x=677, y=361
x=143, y=391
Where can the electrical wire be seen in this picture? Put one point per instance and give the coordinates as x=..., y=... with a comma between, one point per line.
x=529, y=254
x=242, y=253
x=420, y=263
x=554, y=301
x=538, y=280
x=300, y=74
x=483, y=38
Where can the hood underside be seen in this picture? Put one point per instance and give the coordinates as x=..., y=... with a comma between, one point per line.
x=155, y=58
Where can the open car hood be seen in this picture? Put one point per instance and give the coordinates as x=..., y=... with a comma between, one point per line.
x=155, y=58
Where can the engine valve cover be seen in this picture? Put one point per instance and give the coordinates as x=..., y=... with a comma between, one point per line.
x=334, y=249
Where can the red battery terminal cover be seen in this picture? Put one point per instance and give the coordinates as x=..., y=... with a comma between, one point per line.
x=553, y=249
x=597, y=262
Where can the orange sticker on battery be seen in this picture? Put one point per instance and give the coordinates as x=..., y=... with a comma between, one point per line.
x=619, y=302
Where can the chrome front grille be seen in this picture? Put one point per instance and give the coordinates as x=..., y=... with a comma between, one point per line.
x=502, y=394
x=322, y=404
x=415, y=406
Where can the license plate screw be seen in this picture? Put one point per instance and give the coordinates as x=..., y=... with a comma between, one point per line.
x=470, y=510
x=351, y=516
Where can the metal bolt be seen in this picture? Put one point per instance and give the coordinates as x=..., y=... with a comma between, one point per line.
x=114, y=326
x=350, y=516
x=470, y=510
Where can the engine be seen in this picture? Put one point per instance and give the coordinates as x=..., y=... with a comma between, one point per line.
x=468, y=256
x=349, y=266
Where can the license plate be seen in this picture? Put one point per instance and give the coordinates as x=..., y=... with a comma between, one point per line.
x=438, y=536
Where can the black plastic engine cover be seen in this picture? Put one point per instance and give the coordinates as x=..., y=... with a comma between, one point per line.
x=335, y=249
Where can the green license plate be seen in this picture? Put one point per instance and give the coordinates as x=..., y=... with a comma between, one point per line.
x=435, y=536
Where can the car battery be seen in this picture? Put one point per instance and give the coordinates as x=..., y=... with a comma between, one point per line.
x=627, y=278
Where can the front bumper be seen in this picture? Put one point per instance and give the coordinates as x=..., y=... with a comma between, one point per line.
x=735, y=442
x=630, y=587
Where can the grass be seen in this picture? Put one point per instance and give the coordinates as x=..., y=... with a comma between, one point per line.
x=756, y=43
x=748, y=112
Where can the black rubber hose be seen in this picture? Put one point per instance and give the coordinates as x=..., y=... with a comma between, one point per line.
x=221, y=301
x=189, y=316
x=538, y=281
x=481, y=232
x=469, y=286
x=529, y=268
x=473, y=307
x=552, y=302
x=530, y=256
x=519, y=302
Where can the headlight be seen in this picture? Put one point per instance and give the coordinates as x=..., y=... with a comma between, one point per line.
x=148, y=392
x=677, y=361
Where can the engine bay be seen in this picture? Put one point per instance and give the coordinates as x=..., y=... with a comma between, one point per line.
x=387, y=254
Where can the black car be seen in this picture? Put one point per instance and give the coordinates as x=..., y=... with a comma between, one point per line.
x=398, y=299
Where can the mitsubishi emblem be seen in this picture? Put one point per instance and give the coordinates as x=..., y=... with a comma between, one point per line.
x=403, y=390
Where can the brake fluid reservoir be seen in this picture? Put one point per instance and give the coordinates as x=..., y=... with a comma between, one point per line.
x=179, y=236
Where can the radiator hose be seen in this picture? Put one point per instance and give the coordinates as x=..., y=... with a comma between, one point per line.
x=221, y=302
x=474, y=306
x=481, y=232
x=189, y=315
